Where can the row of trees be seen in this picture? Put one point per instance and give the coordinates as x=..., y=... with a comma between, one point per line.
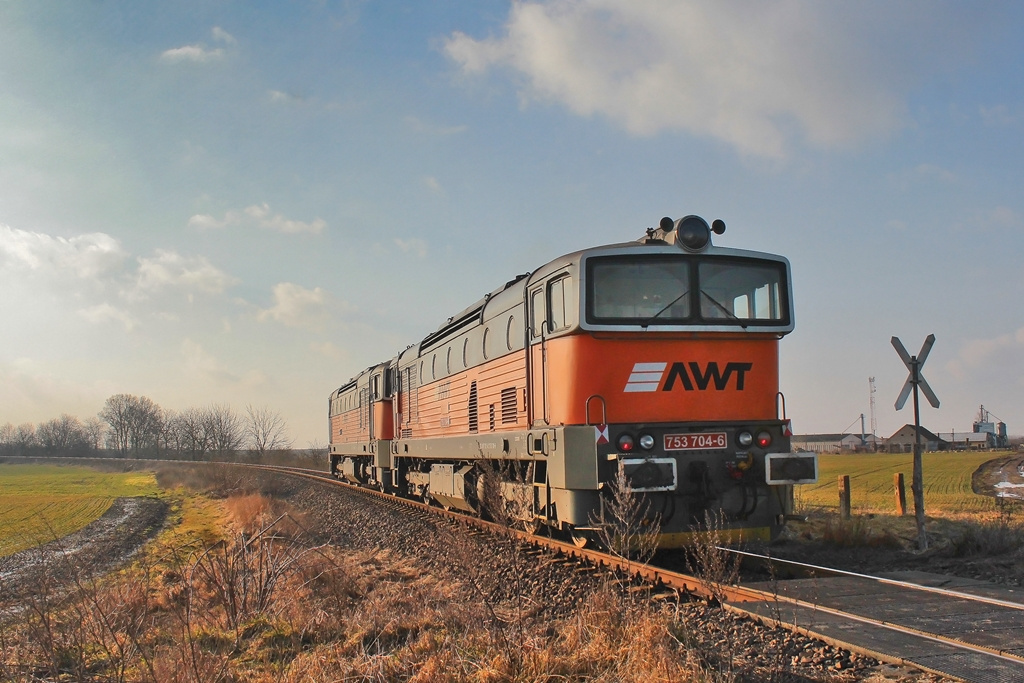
x=136, y=426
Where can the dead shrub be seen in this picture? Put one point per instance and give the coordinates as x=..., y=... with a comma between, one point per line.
x=857, y=533
x=713, y=564
x=626, y=525
x=987, y=538
x=239, y=579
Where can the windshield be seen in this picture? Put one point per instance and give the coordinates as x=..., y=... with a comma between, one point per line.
x=639, y=289
x=683, y=289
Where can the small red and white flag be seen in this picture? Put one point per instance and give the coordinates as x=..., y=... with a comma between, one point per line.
x=601, y=434
x=787, y=429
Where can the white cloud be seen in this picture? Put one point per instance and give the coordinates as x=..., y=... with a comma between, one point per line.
x=1004, y=217
x=281, y=97
x=258, y=215
x=208, y=222
x=433, y=129
x=933, y=171
x=922, y=175
x=296, y=306
x=199, y=53
x=104, y=313
x=433, y=184
x=83, y=256
x=200, y=362
x=413, y=245
x=999, y=115
x=191, y=53
x=754, y=75
x=329, y=350
x=997, y=218
x=171, y=269
x=977, y=353
x=223, y=36
x=263, y=217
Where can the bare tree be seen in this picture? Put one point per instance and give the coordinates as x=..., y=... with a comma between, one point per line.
x=135, y=423
x=146, y=425
x=25, y=438
x=171, y=433
x=224, y=429
x=266, y=430
x=95, y=431
x=6, y=438
x=62, y=434
x=116, y=413
x=190, y=426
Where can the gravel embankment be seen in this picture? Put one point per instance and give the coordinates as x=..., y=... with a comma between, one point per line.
x=555, y=588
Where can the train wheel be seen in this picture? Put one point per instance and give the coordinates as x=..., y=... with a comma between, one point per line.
x=582, y=539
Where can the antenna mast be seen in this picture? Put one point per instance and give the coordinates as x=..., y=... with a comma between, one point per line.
x=871, y=394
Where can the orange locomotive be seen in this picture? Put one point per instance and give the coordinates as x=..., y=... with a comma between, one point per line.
x=656, y=359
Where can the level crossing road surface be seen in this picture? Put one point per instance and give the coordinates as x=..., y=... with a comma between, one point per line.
x=962, y=628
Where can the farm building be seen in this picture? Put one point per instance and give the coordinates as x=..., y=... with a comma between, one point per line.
x=903, y=440
x=970, y=441
x=835, y=443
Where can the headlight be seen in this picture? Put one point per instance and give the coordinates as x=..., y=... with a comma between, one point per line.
x=646, y=442
x=693, y=233
x=744, y=439
x=625, y=442
x=764, y=439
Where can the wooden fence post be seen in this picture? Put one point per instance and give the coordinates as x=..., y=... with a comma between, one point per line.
x=901, y=493
x=844, y=496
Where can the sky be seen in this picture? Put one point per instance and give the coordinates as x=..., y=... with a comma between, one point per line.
x=247, y=203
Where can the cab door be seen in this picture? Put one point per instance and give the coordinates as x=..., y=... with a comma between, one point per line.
x=536, y=356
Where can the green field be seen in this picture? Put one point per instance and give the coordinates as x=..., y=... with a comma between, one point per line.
x=39, y=503
x=947, y=483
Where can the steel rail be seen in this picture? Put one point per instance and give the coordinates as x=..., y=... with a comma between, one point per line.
x=879, y=579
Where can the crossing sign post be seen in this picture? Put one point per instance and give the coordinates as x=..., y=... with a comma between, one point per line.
x=915, y=381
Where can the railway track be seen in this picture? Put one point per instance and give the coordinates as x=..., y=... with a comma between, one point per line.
x=959, y=628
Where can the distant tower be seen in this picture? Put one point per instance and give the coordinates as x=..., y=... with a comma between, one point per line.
x=871, y=393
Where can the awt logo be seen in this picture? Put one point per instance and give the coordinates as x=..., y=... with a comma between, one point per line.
x=647, y=377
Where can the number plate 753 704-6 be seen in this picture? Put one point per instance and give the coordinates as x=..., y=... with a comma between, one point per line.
x=696, y=442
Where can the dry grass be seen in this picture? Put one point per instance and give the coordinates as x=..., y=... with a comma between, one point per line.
x=858, y=532
x=236, y=594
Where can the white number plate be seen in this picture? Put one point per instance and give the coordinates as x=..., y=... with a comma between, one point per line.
x=696, y=442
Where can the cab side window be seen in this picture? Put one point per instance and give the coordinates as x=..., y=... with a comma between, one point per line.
x=538, y=315
x=561, y=303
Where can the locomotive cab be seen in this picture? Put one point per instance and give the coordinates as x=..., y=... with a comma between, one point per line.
x=669, y=376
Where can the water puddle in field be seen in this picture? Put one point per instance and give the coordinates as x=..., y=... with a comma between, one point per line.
x=1002, y=492
x=112, y=538
x=1004, y=489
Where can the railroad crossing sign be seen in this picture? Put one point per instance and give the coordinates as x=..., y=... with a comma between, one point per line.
x=914, y=382
x=914, y=364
